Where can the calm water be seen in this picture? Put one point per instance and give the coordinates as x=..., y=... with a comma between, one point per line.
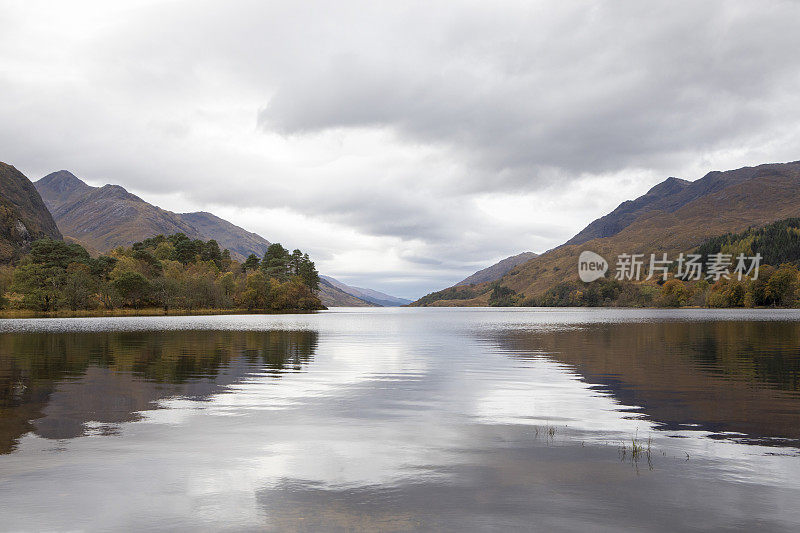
x=403, y=419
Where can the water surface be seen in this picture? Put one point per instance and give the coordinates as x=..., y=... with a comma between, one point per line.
x=403, y=419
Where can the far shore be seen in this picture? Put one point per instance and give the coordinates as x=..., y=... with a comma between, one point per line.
x=148, y=311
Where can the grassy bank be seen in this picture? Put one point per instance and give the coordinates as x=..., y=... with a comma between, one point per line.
x=149, y=311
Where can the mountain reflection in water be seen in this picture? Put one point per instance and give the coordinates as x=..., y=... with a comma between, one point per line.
x=403, y=419
x=733, y=379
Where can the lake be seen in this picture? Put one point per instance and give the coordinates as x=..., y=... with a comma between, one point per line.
x=403, y=419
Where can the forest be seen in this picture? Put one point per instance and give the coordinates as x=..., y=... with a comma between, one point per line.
x=166, y=272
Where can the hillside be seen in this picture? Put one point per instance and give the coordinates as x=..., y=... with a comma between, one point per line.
x=667, y=197
x=109, y=216
x=332, y=296
x=103, y=218
x=239, y=241
x=497, y=270
x=677, y=221
x=23, y=214
x=369, y=295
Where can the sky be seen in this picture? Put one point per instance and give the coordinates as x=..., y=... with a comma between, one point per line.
x=404, y=145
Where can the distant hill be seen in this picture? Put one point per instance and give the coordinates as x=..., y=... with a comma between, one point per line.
x=23, y=214
x=497, y=270
x=239, y=241
x=332, y=296
x=103, y=218
x=675, y=216
x=369, y=295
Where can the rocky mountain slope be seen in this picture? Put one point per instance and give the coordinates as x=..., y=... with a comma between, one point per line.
x=23, y=214
x=666, y=197
x=497, y=270
x=676, y=217
x=102, y=218
x=60, y=188
x=109, y=216
x=239, y=241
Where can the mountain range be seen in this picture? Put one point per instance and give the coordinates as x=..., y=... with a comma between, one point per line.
x=672, y=217
x=368, y=295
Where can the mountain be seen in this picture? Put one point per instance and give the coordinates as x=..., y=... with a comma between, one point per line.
x=106, y=217
x=23, y=214
x=368, y=295
x=497, y=270
x=239, y=241
x=103, y=218
x=667, y=197
x=60, y=188
x=675, y=216
x=332, y=296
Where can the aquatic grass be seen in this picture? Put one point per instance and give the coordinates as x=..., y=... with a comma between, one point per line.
x=548, y=431
x=638, y=450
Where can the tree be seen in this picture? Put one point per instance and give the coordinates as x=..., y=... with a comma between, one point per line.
x=257, y=291
x=6, y=279
x=294, y=262
x=166, y=292
x=186, y=251
x=79, y=286
x=209, y=251
x=292, y=294
x=726, y=293
x=251, y=263
x=782, y=286
x=502, y=296
x=39, y=285
x=276, y=262
x=150, y=266
x=164, y=250
x=102, y=266
x=307, y=272
x=133, y=287
x=226, y=285
x=674, y=293
x=50, y=253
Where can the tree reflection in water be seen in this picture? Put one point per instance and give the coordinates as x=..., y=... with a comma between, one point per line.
x=54, y=384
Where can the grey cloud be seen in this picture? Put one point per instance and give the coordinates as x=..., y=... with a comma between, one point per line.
x=624, y=83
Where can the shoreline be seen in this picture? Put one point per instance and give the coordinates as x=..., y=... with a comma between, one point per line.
x=147, y=311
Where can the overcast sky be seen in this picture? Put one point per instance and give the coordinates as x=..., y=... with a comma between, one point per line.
x=404, y=145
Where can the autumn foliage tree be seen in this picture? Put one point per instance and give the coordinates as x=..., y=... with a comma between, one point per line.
x=170, y=272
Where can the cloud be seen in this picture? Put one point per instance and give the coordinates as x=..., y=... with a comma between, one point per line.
x=427, y=139
x=571, y=89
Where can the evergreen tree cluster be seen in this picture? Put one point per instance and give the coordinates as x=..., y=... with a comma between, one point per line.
x=778, y=243
x=170, y=272
x=279, y=264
